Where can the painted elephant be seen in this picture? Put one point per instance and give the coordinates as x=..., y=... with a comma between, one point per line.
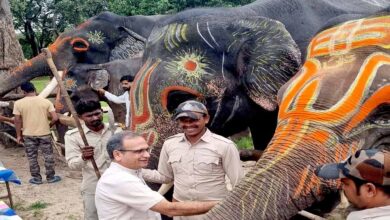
x=339, y=102
x=196, y=54
x=101, y=39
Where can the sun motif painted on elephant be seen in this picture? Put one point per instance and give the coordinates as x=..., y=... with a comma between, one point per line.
x=96, y=37
x=298, y=114
x=70, y=83
x=191, y=66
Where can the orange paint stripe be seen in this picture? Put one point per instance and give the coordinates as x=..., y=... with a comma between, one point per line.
x=309, y=69
x=301, y=183
x=167, y=90
x=379, y=97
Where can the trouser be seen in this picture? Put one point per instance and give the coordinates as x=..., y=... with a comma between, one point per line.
x=32, y=145
x=90, y=212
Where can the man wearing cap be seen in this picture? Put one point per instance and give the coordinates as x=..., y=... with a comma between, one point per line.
x=365, y=178
x=196, y=160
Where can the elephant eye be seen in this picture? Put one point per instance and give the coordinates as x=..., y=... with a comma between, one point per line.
x=175, y=97
x=80, y=45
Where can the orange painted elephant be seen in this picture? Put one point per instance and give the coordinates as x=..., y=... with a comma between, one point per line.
x=339, y=102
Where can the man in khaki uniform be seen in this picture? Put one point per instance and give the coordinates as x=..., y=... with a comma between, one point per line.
x=196, y=160
x=97, y=134
x=31, y=113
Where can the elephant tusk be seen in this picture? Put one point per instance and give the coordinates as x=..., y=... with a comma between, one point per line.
x=50, y=87
x=164, y=188
x=310, y=215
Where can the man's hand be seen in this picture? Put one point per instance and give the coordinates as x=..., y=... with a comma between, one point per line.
x=101, y=92
x=87, y=153
x=19, y=140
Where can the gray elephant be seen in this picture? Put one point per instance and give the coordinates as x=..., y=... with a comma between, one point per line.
x=101, y=39
x=339, y=102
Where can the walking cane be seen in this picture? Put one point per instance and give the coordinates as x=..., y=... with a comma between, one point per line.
x=69, y=103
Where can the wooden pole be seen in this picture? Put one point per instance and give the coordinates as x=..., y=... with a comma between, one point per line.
x=69, y=103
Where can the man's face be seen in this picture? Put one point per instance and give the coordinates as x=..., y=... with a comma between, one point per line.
x=351, y=192
x=134, y=153
x=126, y=85
x=93, y=119
x=193, y=127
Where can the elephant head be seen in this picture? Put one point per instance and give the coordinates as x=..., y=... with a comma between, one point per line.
x=103, y=38
x=234, y=65
x=105, y=75
x=339, y=102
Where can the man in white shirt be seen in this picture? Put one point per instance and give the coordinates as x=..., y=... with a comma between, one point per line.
x=365, y=178
x=124, y=98
x=121, y=192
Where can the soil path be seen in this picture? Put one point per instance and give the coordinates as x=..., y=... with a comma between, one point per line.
x=62, y=199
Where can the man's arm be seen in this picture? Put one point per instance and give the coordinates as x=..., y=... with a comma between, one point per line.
x=73, y=154
x=3, y=118
x=18, y=128
x=155, y=176
x=232, y=164
x=54, y=118
x=116, y=99
x=183, y=208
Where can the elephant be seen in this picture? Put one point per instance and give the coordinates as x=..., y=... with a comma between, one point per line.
x=337, y=103
x=196, y=54
x=101, y=39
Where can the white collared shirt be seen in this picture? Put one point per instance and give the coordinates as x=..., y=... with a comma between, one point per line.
x=378, y=213
x=124, y=98
x=121, y=193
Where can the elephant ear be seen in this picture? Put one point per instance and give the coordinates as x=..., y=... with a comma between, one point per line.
x=98, y=78
x=267, y=58
x=130, y=45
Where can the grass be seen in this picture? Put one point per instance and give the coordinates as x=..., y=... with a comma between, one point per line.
x=38, y=205
x=244, y=143
x=40, y=82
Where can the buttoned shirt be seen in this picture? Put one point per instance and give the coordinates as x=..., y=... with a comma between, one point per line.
x=199, y=169
x=122, y=194
x=98, y=140
x=124, y=98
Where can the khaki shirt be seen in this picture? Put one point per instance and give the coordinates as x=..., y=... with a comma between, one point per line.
x=198, y=170
x=34, y=111
x=73, y=142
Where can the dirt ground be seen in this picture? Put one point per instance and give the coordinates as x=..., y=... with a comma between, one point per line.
x=61, y=200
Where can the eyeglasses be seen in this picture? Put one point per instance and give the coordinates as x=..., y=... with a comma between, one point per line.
x=140, y=151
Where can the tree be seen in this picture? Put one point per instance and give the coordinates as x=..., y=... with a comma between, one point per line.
x=41, y=21
x=11, y=54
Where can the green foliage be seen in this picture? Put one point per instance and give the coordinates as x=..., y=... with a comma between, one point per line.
x=244, y=143
x=38, y=205
x=40, y=83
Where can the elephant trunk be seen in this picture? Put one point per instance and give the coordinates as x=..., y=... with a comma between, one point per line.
x=282, y=183
x=32, y=68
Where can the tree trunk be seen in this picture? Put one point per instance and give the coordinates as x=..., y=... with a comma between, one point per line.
x=11, y=54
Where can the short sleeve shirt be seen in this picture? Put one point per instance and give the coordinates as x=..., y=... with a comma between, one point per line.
x=199, y=170
x=34, y=111
x=98, y=140
x=122, y=194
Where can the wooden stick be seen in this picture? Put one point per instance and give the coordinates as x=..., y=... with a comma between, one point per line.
x=69, y=103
